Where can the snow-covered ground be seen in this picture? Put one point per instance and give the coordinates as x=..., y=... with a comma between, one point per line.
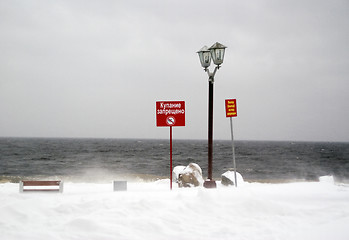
x=149, y=210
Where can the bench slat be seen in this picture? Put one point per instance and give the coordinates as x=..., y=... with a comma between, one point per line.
x=41, y=183
x=45, y=190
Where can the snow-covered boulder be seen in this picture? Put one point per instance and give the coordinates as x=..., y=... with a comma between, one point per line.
x=190, y=176
x=176, y=171
x=228, y=178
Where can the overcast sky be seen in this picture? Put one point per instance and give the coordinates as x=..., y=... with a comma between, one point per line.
x=96, y=68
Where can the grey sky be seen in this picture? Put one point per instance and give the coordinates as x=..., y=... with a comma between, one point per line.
x=96, y=68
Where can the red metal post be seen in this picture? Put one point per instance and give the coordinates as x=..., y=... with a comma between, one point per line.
x=171, y=157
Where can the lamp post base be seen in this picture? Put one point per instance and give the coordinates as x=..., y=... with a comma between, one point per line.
x=210, y=184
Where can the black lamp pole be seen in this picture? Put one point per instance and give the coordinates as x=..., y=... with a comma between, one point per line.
x=210, y=128
x=210, y=183
x=216, y=51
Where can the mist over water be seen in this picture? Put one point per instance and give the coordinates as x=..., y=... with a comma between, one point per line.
x=94, y=160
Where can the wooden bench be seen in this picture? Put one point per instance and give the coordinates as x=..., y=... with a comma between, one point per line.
x=43, y=186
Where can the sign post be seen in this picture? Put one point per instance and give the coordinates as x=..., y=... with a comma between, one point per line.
x=170, y=114
x=231, y=111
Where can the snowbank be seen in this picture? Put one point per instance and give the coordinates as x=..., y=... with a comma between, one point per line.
x=309, y=210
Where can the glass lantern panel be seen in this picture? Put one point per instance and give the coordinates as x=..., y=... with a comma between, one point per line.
x=205, y=59
x=217, y=55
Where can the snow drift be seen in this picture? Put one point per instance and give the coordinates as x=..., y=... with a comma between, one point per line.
x=303, y=210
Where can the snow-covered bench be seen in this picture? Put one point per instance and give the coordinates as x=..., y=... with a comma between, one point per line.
x=46, y=186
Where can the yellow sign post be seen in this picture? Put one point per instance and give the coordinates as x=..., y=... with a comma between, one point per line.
x=231, y=111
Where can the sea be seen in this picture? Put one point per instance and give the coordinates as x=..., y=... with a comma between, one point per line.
x=101, y=160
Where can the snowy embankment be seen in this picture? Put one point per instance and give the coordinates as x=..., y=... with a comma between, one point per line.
x=308, y=210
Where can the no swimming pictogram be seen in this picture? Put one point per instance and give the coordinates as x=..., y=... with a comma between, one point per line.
x=170, y=121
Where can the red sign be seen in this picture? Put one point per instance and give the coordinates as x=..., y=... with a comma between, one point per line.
x=170, y=113
x=231, y=108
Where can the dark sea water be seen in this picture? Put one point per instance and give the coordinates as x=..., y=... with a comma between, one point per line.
x=95, y=160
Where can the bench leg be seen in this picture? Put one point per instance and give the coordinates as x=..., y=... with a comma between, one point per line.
x=20, y=186
x=61, y=187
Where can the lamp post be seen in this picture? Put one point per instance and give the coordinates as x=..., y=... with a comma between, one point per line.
x=216, y=52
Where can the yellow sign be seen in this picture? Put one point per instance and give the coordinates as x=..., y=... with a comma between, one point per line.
x=231, y=108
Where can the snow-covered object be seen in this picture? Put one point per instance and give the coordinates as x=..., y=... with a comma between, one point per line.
x=228, y=178
x=190, y=176
x=176, y=171
x=326, y=179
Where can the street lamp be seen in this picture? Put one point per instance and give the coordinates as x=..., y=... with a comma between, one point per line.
x=216, y=52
